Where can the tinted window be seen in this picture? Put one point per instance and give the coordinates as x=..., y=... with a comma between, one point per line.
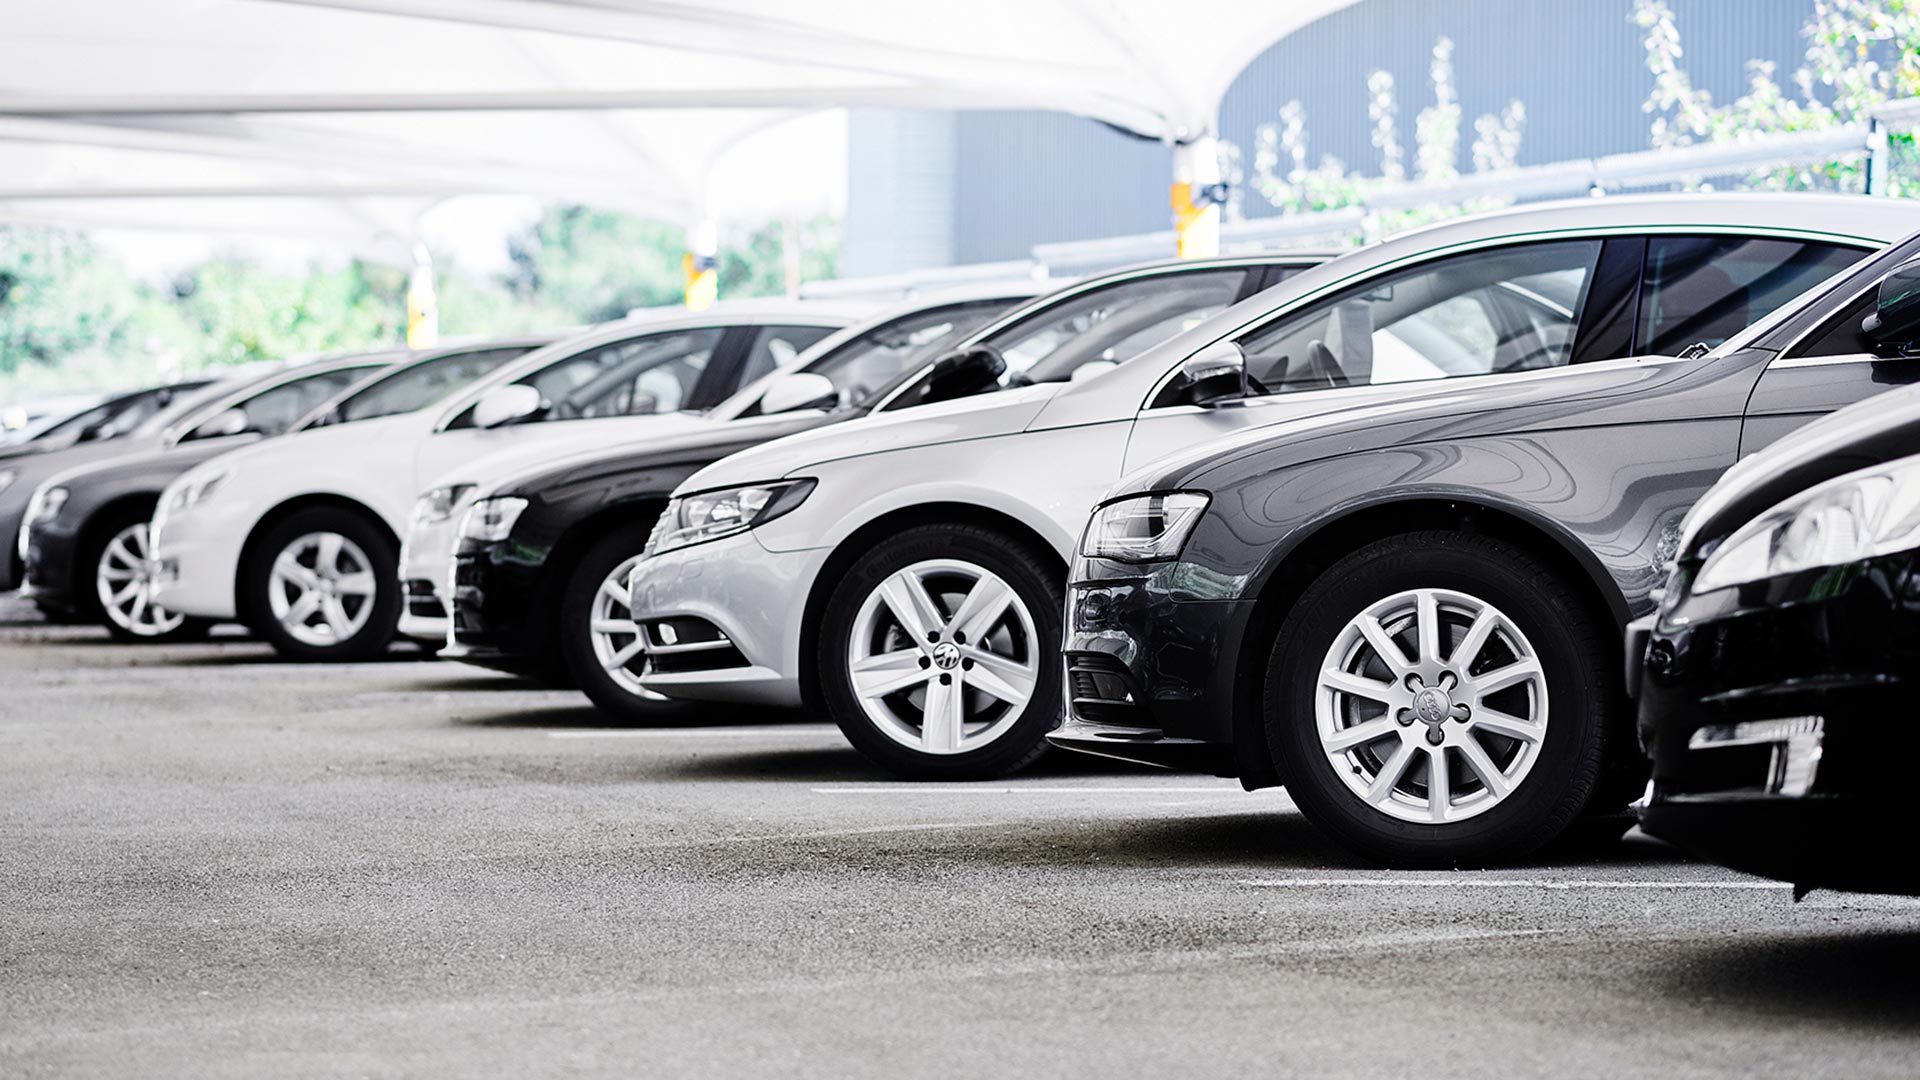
x=1841, y=335
x=420, y=385
x=1113, y=324
x=111, y=419
x=1705, y=289
x=273, y=411
x=775, y=347
x=1512, y=309
x=863, y=367
x=651, y=374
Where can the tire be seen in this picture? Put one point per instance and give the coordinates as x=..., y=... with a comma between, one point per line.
x=605, y=663
x=287, y=603
x=1020, y=654
x=1349, y=782
x=113, y=585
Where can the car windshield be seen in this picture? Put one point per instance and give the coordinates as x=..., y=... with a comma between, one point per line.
x=111, y=419
x=864, y=367
x=417, y=386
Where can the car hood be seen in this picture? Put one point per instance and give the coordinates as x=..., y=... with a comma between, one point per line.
x=31, y=470
x=981, y=417
x=1866, y=433
x=539, y=445
x=615, y=466
x=155, y=467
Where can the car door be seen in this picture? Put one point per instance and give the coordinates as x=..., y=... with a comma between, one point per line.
x=1830, y=367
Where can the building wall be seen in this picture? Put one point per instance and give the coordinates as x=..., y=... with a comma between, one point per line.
x=1022, y=178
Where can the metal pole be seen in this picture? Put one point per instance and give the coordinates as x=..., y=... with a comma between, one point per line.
x=1195, y=197
x=423, y=301
x=702, y=265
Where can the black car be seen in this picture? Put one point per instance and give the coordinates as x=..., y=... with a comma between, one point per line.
x=1377, y=607
x=1776, y=675
x=83, y=543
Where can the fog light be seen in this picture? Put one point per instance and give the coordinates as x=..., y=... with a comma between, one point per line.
x=1796, y=742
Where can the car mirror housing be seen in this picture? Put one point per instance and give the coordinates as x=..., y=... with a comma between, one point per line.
x=1896, y=312
x=1215, y=373
x=503, y=405
x=965, y=372
x=221, y=425
x=799, y=390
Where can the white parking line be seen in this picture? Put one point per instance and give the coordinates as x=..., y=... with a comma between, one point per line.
x=1503, y=883
x=973, y=789
x=809, y=731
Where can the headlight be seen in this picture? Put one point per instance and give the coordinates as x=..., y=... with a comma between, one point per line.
x=1143, y=528
x=492, y=519
x=1860, y=515
x=710, y=515
x=197, y=489
x=439, y=504
x=44, y=506
x=6, y=478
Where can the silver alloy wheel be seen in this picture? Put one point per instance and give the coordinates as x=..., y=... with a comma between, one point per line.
x=124, y=579
x=943, y=656
x=321, y=589
x=1431, y=706
x=617, y=642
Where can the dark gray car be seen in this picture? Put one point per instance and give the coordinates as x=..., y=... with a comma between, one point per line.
x=1410, y=613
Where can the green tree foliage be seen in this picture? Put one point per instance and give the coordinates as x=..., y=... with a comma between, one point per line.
x=58, y=296
x=595, y=264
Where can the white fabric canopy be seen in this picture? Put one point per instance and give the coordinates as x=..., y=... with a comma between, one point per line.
x=115, y=111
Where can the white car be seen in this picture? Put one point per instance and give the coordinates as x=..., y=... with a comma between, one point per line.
x=863, y=349
x=298, y=537
x=906, y=573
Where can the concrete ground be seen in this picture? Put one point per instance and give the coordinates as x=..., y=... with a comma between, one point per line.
x=214, y=864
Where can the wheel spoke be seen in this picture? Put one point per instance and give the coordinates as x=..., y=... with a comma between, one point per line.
x=327, y=561
x=288, y=568
x=1388, y=648
x=336, y=615
x=625, y=654
x=1439, y=783
x=888, y=673
x=1358, y=686
x=906, y=596
x=1359, y=734
x=302, y=609
x=615, y=626
x=1469, y=648
x=1500, y=723
x=616, y=592
x=985, y=603
x=139, y=607
x=118, y=551
x=112, y=573
x=942, y=718
x=1003, y=677
x=1390, y=773
x=360, y=583
x=1483, y=766
x=126, y=593
x=1426, y=608
x=1495, y=681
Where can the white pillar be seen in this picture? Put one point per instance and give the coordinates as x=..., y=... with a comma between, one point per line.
x=1196, y=213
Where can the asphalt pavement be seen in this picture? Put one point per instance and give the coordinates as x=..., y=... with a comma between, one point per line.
x=214, y=864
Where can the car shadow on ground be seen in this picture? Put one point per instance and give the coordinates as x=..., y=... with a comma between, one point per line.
x=586, y=716
x=1863, y=978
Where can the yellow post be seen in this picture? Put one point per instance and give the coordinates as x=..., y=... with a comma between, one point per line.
x=423, y=302
x=1196, y=211
x=702, y=265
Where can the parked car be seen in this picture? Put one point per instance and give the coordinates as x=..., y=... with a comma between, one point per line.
x=298, y=537
x=550, y=588
x=1777, y=667
x=124, y=424
x=24, y=422
x=84, y=543
x=906, y=573
x=1409, y=613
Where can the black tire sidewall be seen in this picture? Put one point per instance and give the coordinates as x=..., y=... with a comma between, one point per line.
x=1563, y=634
x=574, y=632
x=1040, y=585
x=382, y=624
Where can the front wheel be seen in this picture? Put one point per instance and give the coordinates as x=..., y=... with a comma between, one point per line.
x=600, y=644
x=1439, y=699
x=940, y=653
x=123, y=579
x=324, y=586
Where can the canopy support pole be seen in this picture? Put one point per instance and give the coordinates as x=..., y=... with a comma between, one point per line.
x=1197, y=195
x=423, y=301
x=702, y=264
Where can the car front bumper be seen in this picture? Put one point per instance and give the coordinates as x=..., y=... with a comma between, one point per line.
x=491, y=605
x=1151, y=668
x=50, y=578
x=722, y=620
x=198, y=551
x=1771, y=712
x=426, y=559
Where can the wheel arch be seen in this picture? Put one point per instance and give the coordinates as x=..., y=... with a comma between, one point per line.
x=1316, y=548
x=891, y=523
x=549, y=583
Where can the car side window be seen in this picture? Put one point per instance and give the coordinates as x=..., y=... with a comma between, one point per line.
x=640, y=375
x=1483, y=313
x=1114, y=324
x=861, y=368
x=775, y=347
x=1841, y=335
x=420, y=385
x=1702, y=290
x=271, y=412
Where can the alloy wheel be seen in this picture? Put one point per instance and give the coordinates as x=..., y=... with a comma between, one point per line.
x=321, y=589
x=124, y=580
x=1431, y=706
x=617, y=642
x=943, y=656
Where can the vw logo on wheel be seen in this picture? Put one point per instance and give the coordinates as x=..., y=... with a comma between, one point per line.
x=946, y=656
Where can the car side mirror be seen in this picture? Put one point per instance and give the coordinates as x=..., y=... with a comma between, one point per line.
x=503, y=405
x=1896, y=311
x=1215, y=373
x=965, y=372
x=799, y=390
x=231, y=422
